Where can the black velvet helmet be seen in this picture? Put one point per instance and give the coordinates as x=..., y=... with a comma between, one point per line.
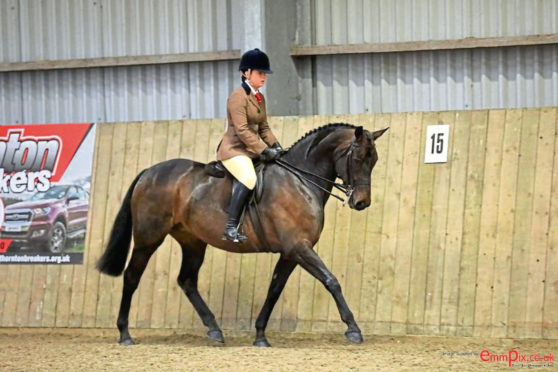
x=255, y=59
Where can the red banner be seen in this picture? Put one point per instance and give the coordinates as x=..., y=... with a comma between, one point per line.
x=45, y=176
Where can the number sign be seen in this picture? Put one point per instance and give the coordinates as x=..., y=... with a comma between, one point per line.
x=437, y=141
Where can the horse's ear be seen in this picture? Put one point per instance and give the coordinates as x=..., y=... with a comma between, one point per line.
x=377, y=134
x=358, y=132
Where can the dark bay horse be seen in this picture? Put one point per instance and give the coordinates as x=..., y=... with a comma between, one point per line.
x=179, y=198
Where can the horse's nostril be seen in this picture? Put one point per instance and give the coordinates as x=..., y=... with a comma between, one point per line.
x=360, y=205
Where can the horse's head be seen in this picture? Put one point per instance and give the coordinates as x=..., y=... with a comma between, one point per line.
x=354, y=165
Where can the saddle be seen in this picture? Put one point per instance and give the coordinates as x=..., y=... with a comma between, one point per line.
x=216, y=169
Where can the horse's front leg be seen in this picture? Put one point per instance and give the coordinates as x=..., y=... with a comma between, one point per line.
x=283, y=270
x=305, y=256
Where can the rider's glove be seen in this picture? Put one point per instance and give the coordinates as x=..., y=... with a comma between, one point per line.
x=278, y=146
x=270, y=153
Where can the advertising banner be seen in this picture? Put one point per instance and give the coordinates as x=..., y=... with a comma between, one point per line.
x=45, y=180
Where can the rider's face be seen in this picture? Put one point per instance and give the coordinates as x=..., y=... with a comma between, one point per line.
x=256, y=78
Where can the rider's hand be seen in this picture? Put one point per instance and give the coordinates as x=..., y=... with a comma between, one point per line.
x=278, y=146
x=270, y=154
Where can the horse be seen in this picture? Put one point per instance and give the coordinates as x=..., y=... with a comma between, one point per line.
x=179, y=197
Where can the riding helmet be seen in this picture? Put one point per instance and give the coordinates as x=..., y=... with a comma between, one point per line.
x=255, y=59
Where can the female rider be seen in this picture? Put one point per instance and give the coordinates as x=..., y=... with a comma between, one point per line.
x=248, y=136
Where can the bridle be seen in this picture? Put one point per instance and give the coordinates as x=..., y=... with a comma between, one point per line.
x=346, y=188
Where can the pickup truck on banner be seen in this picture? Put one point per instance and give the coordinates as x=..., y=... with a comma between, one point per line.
x=45, y=179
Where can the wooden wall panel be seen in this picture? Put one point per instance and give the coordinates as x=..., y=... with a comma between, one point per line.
x=390, y=220
x=458, y=156
x=540, y=223
x=506, y=215
x=421, y=234
x=522, y=243
x=463, y=248
x=407, y=209
x=471, y=224
x=488, y=223
x=550, y=311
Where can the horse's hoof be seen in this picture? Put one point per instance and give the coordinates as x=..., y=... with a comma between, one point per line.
x=216, y=335
x=354, y=336
x=262, y=343
x=127, y=342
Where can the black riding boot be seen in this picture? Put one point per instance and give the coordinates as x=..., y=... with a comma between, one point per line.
x=238, y=198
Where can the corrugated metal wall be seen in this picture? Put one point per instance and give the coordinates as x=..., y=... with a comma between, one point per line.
x=65, y=29
x=423, y=81
x=170, y=91
x=439, y=80
x=392, y=82
x=376, y=21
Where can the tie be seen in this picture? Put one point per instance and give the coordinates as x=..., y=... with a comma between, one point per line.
x=259, y=97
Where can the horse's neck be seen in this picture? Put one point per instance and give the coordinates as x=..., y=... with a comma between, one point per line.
x=319, y=162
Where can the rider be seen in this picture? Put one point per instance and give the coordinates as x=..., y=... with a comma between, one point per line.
x=248, y=136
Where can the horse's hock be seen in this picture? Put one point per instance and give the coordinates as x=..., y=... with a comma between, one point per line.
x=460, y=248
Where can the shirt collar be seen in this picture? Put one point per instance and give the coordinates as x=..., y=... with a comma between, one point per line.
x=251, y=88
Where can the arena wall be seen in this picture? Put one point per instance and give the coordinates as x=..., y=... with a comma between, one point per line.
x=463, y=248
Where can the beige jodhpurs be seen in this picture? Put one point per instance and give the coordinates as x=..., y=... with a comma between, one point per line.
x=242, y=169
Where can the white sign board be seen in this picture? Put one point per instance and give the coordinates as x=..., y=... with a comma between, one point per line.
x=437, y=142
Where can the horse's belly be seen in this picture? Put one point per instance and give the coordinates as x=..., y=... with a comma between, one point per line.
x=206, y=219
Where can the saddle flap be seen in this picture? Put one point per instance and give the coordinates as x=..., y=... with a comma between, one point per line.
x=256, y=195
x=258, y=191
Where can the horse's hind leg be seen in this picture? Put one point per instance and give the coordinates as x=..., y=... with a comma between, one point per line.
x=192, y=259
x=132, y=276
x=281, y=273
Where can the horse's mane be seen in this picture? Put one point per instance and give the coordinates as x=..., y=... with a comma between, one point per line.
x=319, y=134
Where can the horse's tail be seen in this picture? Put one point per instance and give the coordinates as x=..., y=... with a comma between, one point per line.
x=113, y=260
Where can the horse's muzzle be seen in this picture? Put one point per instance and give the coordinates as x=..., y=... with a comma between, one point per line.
x=359, y=205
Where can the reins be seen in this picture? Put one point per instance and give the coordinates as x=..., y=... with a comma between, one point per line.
x=300, y=173
x=346, y=189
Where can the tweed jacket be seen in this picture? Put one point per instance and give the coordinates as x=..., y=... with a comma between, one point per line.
x=248, y=132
